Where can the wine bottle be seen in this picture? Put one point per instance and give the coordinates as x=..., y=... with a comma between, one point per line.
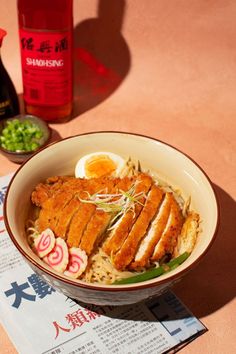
x=45, y=30
x=9, y=104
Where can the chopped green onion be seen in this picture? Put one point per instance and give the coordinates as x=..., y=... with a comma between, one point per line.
x=155, y=272
x=20, y=136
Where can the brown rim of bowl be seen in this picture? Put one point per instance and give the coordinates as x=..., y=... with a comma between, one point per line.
x=101, y=287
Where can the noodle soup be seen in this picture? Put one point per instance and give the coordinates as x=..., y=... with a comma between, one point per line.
x=120, y=226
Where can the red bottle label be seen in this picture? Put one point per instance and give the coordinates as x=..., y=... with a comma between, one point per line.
x=46, y=67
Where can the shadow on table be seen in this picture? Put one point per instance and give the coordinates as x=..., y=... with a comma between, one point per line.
x=211, y=285
x=55, y=136
x=101, y=56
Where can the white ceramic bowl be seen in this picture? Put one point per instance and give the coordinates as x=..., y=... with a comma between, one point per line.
x=60, y=159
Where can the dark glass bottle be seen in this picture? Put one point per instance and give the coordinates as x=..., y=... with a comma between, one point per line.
x=9, y=104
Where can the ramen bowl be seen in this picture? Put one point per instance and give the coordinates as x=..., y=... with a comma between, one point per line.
x=165, y=161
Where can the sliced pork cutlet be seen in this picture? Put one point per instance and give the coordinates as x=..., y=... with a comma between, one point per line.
x=46, y=190
x=56, y=184
x=65, y=216
x=153, y=235
x=76, y=187
x=81, y=218
x=188, y=236
x=52, y=208
x=100, y=220
x=173, y=227
x=78, y=223
x=49, y=215
x=119, y=233
x=128, y=250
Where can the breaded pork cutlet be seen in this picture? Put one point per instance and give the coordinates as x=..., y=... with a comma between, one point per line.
x=129, y=248
x=146, y=247
x=187, y=238
x=49, y=214
x=169, y=236
x=74, y=205
x=44, y=191
x=56, y=200
x=119, y=233
x=81, y=219
x=65, y=217
x=100, y=220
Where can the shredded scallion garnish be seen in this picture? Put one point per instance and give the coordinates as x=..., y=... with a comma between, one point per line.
x=117, y=204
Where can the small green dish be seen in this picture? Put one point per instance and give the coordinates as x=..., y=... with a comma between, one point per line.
x=21, y=156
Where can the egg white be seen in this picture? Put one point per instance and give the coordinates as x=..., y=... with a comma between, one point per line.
x=80, y=165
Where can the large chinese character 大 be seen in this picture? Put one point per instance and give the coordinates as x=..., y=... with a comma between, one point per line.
x=40, y=287
x=18, y=291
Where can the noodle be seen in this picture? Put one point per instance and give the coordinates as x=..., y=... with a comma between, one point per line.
x=99, y=270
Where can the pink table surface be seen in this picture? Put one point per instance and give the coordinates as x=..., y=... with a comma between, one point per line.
x=172, y=76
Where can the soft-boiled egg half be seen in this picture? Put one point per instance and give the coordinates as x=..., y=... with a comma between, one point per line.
x=98, y=164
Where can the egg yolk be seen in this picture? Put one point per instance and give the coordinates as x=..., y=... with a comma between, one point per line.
x=98, y=166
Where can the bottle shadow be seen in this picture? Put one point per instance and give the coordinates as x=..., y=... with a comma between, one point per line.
x=55, y=135
x=101, y=56
x=212, y=283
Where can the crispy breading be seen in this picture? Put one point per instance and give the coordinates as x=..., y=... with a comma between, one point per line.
x=56, y=184
x=54, y=195
x=173, y=227
x=188, y=236
x=128, y=250
x=100, y=220
x=153, y=235
x=46, y=190
x=65, y=217
x=118, y=235
x=50, y=213
x=78, y=224
x=94, y=230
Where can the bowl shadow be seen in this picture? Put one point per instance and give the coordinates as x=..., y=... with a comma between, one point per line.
x=211, y=285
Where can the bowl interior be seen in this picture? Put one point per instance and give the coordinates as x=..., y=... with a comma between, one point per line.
x=163, y=160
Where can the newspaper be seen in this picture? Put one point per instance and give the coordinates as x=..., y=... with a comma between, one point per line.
x=40, y=320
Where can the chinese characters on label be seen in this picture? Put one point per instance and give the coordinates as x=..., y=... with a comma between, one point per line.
x=45, y=46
